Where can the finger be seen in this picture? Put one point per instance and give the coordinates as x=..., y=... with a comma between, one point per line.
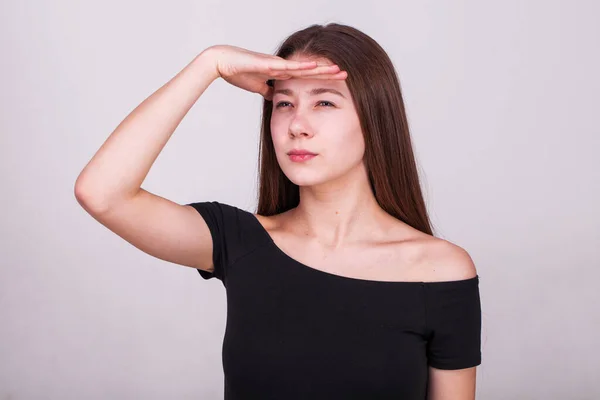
x=339, y=75
x=267, y=92
x=283, y=76
x=322, y=70
x=262, y=88
x=288, y=65
x=327, y=70
x=252, y=85
x=310, y=66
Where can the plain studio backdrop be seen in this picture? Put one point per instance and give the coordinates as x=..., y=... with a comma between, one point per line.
x=502, y=101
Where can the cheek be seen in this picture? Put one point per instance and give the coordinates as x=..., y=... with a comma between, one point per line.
x=278, y=133
x=348, y=144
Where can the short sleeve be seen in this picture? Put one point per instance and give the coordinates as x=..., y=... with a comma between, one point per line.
x=454, y=324
x=228, y=227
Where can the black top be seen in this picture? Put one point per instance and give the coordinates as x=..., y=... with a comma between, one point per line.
x=296, y=332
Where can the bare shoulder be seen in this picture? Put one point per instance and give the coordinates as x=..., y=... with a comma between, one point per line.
x=431, y=259
x=441, y=260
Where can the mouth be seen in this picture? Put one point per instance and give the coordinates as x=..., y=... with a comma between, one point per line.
x=299, y=157
x=301, y=153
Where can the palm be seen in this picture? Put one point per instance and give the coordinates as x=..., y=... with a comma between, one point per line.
x=252, y=82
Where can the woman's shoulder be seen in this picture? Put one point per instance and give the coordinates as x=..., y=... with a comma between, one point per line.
x=440, y=260
x=431, y=258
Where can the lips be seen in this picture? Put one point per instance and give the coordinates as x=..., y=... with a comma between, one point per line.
x=301, y=153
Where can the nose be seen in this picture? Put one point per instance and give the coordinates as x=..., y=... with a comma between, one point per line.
x=299, y=126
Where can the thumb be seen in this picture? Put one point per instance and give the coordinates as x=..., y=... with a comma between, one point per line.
x=254, y=85
x=266, y=90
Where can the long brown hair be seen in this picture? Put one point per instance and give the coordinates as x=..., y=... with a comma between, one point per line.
x=375, y=88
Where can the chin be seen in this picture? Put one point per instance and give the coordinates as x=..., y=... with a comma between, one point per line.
x=307, y=178
x=305, y=181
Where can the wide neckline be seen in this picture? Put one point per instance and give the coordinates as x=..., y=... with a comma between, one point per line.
x=331, y=275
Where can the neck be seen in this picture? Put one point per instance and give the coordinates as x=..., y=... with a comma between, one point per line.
x=338, y=212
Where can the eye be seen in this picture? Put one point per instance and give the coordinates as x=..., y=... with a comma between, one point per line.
x=328, y=102
x=281, y=103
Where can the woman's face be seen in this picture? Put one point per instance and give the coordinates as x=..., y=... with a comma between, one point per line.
x=322, y=122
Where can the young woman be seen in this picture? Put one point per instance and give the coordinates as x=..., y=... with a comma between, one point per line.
x=336, y=287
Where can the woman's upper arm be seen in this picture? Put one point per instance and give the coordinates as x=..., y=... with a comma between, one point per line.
x=161, y=228
x=454, y=315
x=456, y=384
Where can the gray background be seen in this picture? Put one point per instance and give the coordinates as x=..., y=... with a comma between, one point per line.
x=502, y=98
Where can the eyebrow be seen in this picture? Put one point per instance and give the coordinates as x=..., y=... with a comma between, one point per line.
x=312, y=92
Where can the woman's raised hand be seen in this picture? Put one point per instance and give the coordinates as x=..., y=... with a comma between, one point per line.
x=251, y=70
